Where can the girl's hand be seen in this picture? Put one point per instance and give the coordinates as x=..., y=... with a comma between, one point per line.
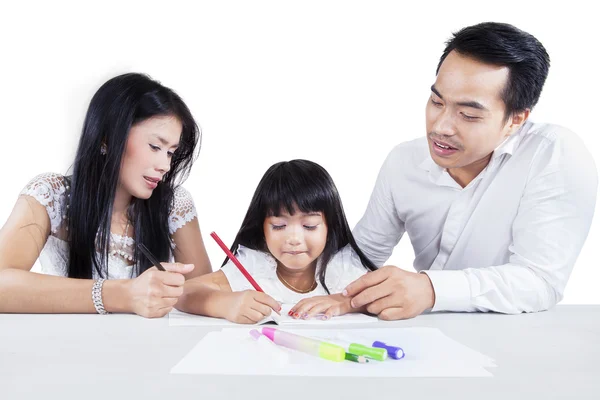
x=249, y=306
x=328, y=306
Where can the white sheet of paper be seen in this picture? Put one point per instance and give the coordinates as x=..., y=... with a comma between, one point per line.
x=429, y=353
x=179, y=318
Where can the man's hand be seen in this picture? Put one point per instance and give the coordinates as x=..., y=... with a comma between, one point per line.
x=392, y=293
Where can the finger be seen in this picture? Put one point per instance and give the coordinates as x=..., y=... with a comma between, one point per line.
x=264, y=309
x=163, y=311
x=178, y=267
x=167, y=302
x=366, y=281
x=302, y=310
x=371, y=294
x=171, y=278
x=318, y=308
x=298, y=305
x=245, y=320
x=392, y=314
x=378, y=306
x=171, y=291
x=253, y=315
x=268, y=300
x=331, y=312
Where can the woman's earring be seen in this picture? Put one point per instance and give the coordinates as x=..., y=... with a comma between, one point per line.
x=103, y=149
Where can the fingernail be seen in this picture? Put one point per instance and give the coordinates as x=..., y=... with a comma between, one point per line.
x=344, y=292
x=188, y=265
x=290, y=313
x=296, y=315
x=324, y=317
x=352, y=304
x=304, y=316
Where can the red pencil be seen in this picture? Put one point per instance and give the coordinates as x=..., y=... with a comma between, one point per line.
x=236, y=262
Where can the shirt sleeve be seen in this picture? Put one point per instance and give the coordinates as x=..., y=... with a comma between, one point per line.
x=549, y=230
x=49, y=190
x=183, y=210
x=380, y=229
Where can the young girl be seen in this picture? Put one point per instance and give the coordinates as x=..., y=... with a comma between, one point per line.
x=138, y=142
x=295, y=242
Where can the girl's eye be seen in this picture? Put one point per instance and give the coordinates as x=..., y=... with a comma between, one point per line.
x=310, y=227
x=170, y=154
x=154, y=148
x=277, y=227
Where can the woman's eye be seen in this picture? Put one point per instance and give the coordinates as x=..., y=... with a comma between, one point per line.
x=278, y=227
x=154, y=148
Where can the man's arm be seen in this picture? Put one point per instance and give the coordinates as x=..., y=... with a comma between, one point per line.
x=550, y=228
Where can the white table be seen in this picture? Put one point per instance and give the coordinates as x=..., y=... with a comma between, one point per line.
x=554, y=354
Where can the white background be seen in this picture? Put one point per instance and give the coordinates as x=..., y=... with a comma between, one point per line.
x=339, y=83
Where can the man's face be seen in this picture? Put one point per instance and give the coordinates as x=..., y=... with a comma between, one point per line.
x=465, y=115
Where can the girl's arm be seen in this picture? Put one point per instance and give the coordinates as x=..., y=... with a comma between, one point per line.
x=206, y=295
x=211, y=295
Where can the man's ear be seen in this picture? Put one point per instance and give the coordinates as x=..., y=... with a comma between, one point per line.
x=517, y=120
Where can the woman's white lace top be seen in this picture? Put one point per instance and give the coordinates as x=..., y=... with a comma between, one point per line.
x=50, y=190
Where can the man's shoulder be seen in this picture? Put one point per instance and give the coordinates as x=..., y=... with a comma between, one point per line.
x=556, y=146
x=550, y=135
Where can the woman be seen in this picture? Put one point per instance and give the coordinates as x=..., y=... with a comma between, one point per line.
x=138, y=143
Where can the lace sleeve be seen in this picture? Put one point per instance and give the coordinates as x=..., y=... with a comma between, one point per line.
x=183, y=210
x=49, y=190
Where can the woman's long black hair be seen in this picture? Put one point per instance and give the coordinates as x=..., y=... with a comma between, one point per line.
x=307, y=186
x=119, y=104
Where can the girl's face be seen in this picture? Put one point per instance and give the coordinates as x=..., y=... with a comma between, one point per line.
x=148, y=154
x=297, y=240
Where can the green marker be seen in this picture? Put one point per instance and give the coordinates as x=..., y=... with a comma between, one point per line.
x=361, y=350
x=355, y=358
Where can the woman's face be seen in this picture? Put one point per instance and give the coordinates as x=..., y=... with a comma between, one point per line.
x=148, y=153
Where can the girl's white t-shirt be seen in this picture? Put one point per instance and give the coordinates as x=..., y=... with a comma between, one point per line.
x=343, y=268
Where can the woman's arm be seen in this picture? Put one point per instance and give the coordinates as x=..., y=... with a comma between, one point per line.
x=22, y=238
x=189, y=249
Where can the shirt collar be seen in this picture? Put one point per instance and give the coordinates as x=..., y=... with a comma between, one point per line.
x=440, y=176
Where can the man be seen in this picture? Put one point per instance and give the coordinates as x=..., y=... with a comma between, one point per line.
x=497, y=208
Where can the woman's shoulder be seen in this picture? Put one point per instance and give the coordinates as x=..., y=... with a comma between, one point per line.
x=50, y=190
x=47, y=183
x=183, y=209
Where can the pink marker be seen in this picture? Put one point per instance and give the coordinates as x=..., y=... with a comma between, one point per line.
x=306, y=345
x=271, y=350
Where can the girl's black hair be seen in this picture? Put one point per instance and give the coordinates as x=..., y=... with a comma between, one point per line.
x=302, y=185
